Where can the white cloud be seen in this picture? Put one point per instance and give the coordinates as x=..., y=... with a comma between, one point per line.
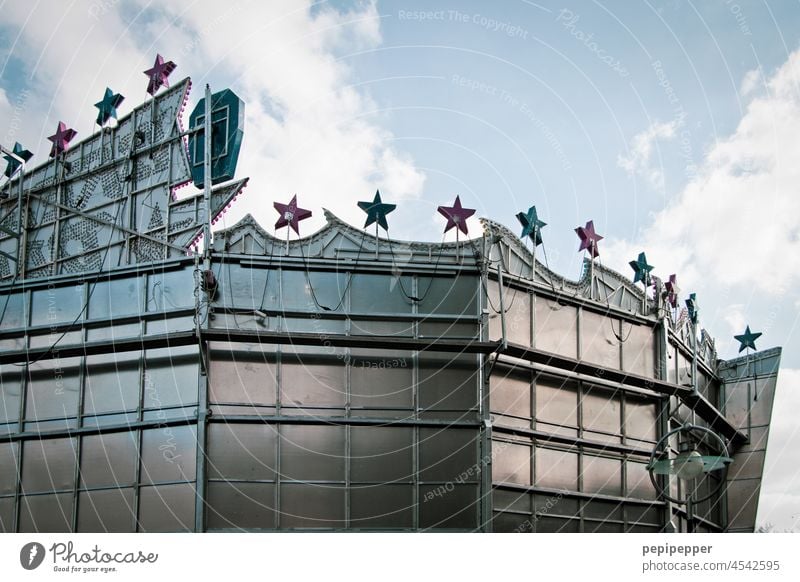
x=751, y=82
x=736, y=222
x=308, y=129
x=639, y=160
x=735, y=318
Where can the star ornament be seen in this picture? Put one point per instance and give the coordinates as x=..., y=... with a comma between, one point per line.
x=377, y=211
x=673, y=291
x=747, y=339
x=158, y=74
x=456, y=216
x=291, y=215
x=531, y=225
x=14, y=164
x=589, y=239
x=641, y=270
x=692, y=307
x=61, y=139
x=107, y=107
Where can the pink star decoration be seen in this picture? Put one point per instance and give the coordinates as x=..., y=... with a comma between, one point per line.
x=456, y=216
x=291, y=214
x=589, y=239
x=673, y=291
x=61, y=139
x=158, y=74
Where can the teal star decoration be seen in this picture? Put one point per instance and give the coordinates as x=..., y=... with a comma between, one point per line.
x=641, y=270
x=531, y=225
x=747, y=339
x=377, y=211
x=693, y=307
x=13, y=164
x=107, y=107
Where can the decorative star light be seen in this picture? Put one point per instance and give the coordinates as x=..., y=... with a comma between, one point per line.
x=589, y=239
x=456, y=215
x=158, y=74
x=693, y=307
x=377, y=211
x=531, y=225
x=291, y=215
x=641, y=270
x=107, y=107
x=673, y=291
x=747, y=339
x=61, y=139
x=13, y=164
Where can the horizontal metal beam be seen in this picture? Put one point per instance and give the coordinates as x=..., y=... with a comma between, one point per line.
x=498, y=431
x=468, y=346
x=98, y=429
x=591, y=370
x=696, y=402
x=343, y=420
x=175, y=339
x=715, y=419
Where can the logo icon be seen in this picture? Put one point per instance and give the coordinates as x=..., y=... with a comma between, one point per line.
x=31, y=555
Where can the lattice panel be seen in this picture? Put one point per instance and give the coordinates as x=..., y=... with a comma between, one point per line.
x=104, y=176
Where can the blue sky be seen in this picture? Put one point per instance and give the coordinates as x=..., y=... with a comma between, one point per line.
x=673, y=125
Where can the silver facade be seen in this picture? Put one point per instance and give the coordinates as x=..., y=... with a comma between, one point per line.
x=334, y=387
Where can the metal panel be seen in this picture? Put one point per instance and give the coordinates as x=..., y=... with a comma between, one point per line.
x=556, y=327
x=241, y=505
x=446, y=453
x=166, y=508
x=241, y=451
x=9, y=464
x=456, y=509
x=556, y=468
x=168, y=454
x=312, y=506
x=109, y=459
x=48, y=465
x=112, y=383
x=381, y=506
x=46, y=513
x=311, y=453
x=381, y=454
x=600, y=343
x=107, y=510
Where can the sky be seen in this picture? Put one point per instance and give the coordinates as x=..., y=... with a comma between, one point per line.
x=674, y=126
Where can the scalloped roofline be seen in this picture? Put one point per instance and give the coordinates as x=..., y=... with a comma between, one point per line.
x=334, y=224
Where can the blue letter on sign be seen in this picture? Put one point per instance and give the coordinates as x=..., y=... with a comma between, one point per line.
x=227, y=123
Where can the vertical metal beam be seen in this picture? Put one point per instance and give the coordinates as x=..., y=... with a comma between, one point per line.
x=202, y=426
x=207, y=175
x=201, y=321
x=484, y=401
x=500, y=286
